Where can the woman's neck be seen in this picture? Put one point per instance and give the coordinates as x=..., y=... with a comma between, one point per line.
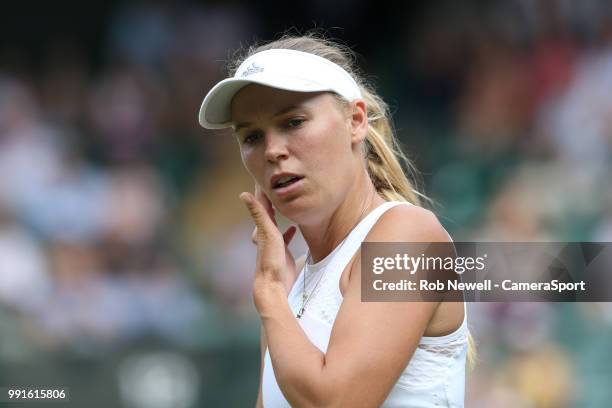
x=323, y=237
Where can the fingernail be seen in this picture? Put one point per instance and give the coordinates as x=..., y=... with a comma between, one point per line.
x=245, y=197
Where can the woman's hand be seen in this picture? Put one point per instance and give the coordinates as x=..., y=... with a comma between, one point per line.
x=275, y=265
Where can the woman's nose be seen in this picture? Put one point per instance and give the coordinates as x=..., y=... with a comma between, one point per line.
x=276, y=147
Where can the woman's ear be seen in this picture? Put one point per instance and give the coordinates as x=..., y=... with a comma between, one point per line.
x=358, y=120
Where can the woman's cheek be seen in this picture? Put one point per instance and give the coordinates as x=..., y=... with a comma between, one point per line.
x=245, y=160
x=250, y=163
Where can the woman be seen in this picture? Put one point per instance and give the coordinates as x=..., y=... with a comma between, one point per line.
x=318, y=142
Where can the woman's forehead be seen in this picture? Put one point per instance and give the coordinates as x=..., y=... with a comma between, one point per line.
x=256, y=101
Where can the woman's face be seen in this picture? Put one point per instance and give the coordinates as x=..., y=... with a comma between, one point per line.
x=300, y=148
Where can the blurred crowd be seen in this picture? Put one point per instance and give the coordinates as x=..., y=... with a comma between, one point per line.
x=119, y=216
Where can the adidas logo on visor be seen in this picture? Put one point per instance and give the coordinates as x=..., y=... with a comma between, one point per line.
x=252, y=69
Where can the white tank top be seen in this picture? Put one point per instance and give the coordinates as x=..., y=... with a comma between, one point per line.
x=434, y=376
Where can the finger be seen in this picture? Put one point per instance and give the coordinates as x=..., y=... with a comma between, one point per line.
x=263, y=222
x=289, y=234
x=263, y=198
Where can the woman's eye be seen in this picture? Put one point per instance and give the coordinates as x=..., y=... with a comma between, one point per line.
x=295, y=122
x=251, y=138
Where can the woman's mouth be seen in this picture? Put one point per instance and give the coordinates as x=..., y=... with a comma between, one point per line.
x=287, y=185
x=285, y=181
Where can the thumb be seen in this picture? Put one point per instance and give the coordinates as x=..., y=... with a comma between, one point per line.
x=265, y=225
x=263, y=198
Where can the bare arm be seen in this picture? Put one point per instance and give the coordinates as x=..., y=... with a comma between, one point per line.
x=372, y=340
x=264, y=344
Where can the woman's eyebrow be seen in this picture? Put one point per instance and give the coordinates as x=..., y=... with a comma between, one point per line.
x=283, y=111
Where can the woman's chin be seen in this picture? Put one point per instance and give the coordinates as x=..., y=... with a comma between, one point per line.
x=296, y=210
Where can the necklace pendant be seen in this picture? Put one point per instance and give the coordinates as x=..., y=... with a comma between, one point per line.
x=300, y=313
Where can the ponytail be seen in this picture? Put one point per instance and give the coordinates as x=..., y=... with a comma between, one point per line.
x=384, y=156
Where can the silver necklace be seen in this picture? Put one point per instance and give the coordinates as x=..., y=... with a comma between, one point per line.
x=307, y=297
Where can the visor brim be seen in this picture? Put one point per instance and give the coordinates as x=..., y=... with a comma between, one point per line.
x=215, y=112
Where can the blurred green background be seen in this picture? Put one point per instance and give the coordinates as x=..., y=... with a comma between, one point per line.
x=125, y=254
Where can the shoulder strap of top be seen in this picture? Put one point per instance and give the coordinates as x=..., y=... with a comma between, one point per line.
x=362, y=229
x=357, y=235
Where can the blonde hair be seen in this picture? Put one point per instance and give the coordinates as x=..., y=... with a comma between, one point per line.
x=382, y=152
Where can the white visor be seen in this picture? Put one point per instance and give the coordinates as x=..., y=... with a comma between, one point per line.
x=290, y=70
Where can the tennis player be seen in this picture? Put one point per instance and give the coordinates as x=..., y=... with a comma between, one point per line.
x=319, y=144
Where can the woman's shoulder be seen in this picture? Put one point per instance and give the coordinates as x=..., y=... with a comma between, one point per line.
x=409, y=223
